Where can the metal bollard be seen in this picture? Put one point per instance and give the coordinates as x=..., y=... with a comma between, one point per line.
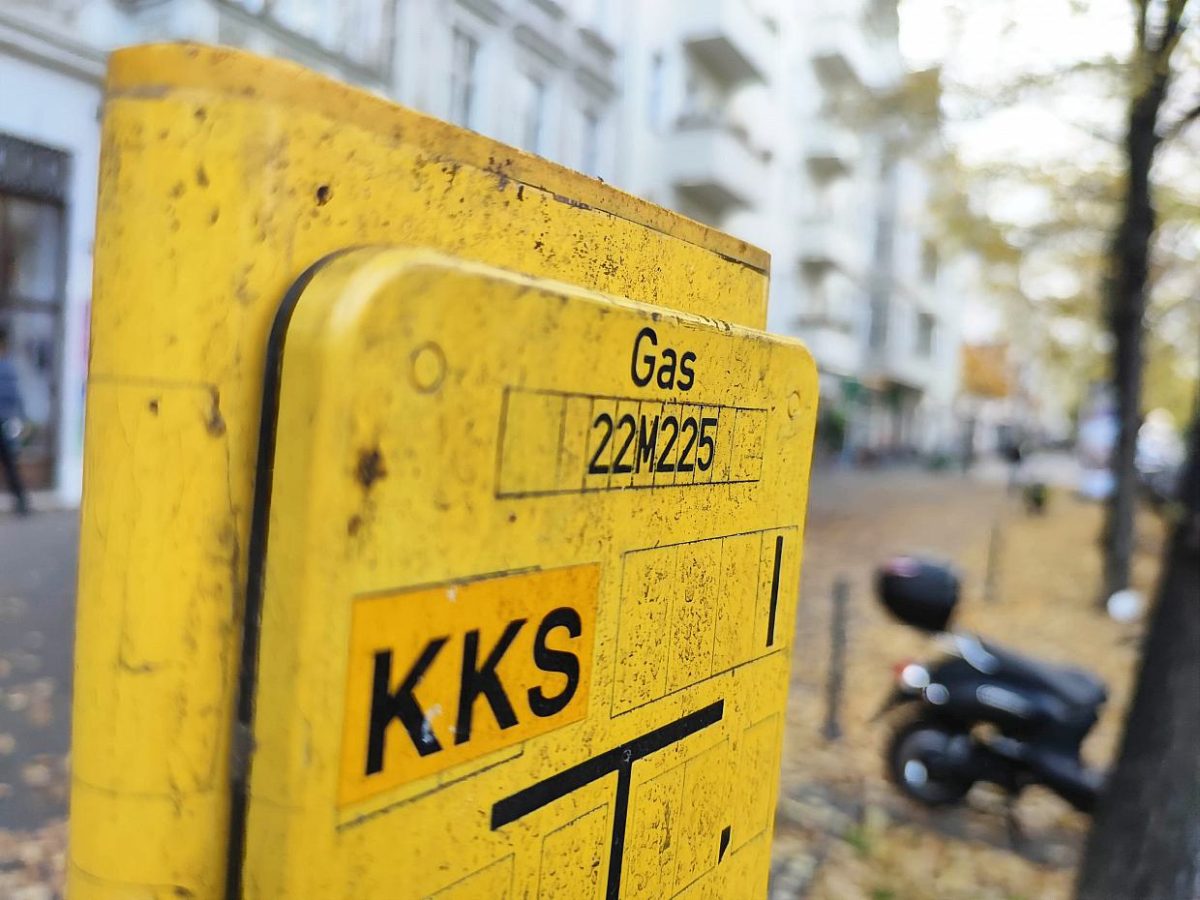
x=832, y=729
x=991, y=586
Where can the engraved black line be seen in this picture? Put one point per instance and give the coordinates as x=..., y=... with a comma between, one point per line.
x=242, y=746
x=619, y=759
x=775, y=590
x=554, y=831
x=510, y=858
x=762, y=533
x=767, y=654
x=503, y=434
x=716, y=537
x=562, y=443
x=391, y=807
x=587, y=396
x=526, y=495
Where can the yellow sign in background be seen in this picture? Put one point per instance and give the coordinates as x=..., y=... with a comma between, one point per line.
x=563, y=557
x=225, y=177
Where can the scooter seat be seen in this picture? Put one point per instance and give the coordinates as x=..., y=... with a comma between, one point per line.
x=1072, y=685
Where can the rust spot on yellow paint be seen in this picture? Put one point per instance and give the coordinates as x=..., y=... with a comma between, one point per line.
x=370, y=467
x=215, y=425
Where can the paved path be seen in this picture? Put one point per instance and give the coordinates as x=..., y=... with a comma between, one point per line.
x=37, y=628
x=856, y=519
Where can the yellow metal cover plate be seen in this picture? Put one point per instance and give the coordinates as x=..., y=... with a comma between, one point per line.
x=223, y=177
x=528, y=591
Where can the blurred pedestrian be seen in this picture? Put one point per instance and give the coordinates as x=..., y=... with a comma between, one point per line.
x=12, y=412
x=1014, y=453
x=968, y=445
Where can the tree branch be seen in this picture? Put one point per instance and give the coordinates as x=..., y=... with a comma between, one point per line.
x=1141, y=8
x=1173, y=29
x=1181, y=123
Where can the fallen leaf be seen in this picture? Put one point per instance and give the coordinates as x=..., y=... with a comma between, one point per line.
x=36, y=775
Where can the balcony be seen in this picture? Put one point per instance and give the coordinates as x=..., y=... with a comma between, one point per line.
x=830, y=150
x=833, y=345
x=894, y=366
x=843, y=56
x=829, y=318
x=897, y=361
x=712, y=165
x=828, y=243
x=728, y=39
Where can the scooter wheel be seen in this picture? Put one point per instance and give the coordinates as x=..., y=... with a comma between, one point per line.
x=921, y=760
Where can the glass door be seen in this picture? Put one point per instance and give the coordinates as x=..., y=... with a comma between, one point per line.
x=31, y=284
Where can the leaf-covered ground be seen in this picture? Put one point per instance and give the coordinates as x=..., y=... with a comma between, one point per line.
x=37, y=617
x=842, y=830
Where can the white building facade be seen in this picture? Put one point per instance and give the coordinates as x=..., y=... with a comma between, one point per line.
x=729, y=111
x=780, y=123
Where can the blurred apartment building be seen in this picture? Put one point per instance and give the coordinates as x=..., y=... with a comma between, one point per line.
x=784, y=123
x=773, y=120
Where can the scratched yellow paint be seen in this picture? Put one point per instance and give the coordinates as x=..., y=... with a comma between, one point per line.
x=408, y=525
x=224, y=177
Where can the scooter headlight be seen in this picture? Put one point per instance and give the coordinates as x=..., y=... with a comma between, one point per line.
x=914, y=677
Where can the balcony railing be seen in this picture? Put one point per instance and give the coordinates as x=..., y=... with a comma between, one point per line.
x=842, y=56
x=713, y=163
x=830, y=149
x=728, y=39
x=829, y=242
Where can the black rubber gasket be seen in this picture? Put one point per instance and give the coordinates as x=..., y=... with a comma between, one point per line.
x=242, y=743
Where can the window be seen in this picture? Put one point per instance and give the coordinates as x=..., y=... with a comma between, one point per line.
x=654, y=96
x=464, y=79
x=532, y=112
x=308, y=19
x=31, y=241
x=589, y=155
x=877, y=332
x=926, y=332
x=365, y=31
x=30, y=245
x=929, y=260
x=358, y=30
x=593, y=13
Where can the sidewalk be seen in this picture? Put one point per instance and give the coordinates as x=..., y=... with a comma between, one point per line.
x=37, y=628
x=844, y=833
x=1056, y=469
x=841, y=832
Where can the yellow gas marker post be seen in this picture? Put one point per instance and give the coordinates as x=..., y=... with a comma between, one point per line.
x=461, y=564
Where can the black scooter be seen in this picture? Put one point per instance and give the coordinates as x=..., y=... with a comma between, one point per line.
x=982, y=713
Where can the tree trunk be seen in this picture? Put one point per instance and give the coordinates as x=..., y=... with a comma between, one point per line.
x=1126, y=290
x=1145, y=840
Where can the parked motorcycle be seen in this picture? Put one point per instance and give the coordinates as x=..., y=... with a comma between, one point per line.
x=981, y=712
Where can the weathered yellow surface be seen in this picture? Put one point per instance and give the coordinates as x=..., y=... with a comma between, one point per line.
x=416, y=553
x=223, y=177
